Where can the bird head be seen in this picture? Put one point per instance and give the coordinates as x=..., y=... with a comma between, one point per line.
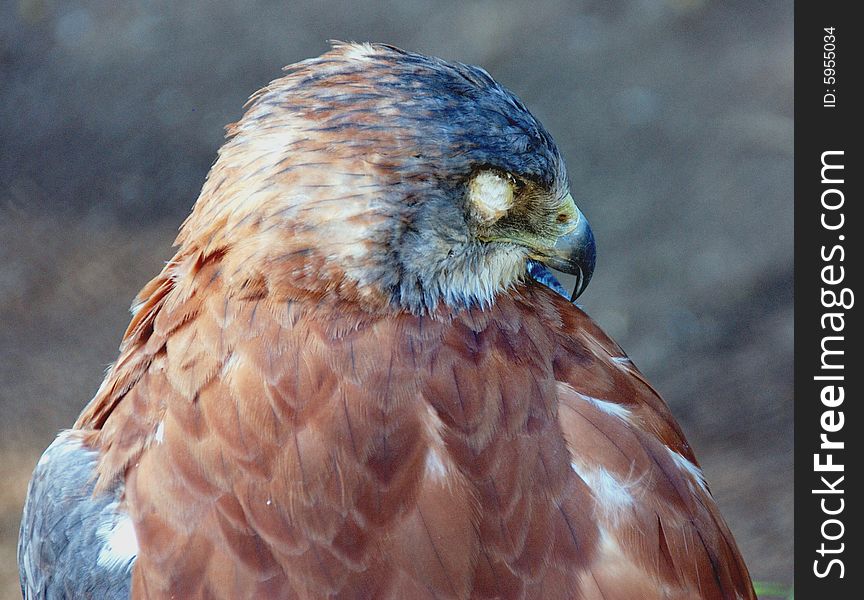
x=389, y=178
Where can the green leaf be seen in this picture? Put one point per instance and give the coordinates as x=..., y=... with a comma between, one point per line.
x=767, y=589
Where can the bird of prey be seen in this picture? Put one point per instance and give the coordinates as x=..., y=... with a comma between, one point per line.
x=356, y=378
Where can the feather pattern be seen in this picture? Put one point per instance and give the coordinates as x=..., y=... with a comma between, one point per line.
x=315, y=451
x=336, y=390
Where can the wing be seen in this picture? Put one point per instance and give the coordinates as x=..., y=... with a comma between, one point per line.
x=73, y=544
x=661, y=533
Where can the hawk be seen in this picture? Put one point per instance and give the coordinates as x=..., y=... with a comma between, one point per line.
x=356, y=378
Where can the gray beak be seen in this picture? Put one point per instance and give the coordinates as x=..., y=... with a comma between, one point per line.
x=575, y=254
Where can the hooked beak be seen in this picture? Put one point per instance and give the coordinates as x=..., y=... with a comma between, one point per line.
x=575, y=252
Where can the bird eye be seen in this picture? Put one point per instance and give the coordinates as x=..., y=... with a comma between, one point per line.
x=490, y=194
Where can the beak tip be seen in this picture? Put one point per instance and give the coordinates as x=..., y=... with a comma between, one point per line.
x=586, y=264
x=577, y=255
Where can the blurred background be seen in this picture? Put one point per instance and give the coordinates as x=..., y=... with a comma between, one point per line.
x=675, y=117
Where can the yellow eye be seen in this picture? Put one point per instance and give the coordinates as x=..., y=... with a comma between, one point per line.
x=490, y=195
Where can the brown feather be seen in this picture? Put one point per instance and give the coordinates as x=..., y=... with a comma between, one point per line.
x=284, y=431
x=330, y=452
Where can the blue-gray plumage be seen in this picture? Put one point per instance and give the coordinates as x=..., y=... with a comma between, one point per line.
x=475, y=121
x=72, y=543
x=541, y=274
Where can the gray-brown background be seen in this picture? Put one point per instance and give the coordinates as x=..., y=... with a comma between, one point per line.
x=675, y=117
